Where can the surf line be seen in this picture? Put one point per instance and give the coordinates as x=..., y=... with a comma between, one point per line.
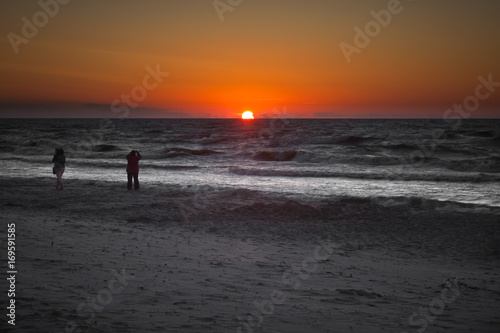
x=292, y=278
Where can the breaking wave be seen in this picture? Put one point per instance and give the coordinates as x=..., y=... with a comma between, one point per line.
x=448, y=177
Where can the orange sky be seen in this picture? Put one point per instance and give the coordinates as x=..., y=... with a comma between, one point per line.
x=264, y=54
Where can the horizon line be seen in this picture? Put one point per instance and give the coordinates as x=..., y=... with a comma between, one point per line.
x=249, y=120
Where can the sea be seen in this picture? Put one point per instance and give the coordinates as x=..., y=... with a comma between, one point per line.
x=423, y=162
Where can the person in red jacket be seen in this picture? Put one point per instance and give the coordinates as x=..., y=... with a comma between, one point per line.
x=133, y=169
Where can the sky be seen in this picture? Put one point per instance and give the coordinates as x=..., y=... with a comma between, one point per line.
x=206, y=58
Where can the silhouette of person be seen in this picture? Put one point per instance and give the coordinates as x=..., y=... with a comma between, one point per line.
x=59, y=161
x=133, y=169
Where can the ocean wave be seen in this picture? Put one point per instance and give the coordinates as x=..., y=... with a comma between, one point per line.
x=458, y=177
x=417, y=203
x=257, y=204
x=274, y=155
x=105, y=148
x=174, y=167
x=354, y=140
x=343, y=139
x=373, y=160
x=495, y=141
x=484, y=133
x=485, y=165
x=213, y=139
x=180, y=152
x=401, y=146
x=122, y=163
x=7, y=146
x=433, y=204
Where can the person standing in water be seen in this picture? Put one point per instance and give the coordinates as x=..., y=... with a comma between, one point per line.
x=133, y=169
x=59, y=161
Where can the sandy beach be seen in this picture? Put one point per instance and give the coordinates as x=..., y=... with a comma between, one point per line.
x=236, y=166
x=98, y=258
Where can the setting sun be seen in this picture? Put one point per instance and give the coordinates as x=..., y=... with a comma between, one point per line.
x=247, y=115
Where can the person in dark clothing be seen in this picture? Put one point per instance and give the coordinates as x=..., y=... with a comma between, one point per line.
x=59, y=161
x=133, y=169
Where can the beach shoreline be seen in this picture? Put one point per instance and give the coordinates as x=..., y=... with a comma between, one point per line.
x=237, y=252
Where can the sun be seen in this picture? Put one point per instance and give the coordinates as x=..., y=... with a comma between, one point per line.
x=247, y=115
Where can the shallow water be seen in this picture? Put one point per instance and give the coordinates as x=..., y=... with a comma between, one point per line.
x=387, y=161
